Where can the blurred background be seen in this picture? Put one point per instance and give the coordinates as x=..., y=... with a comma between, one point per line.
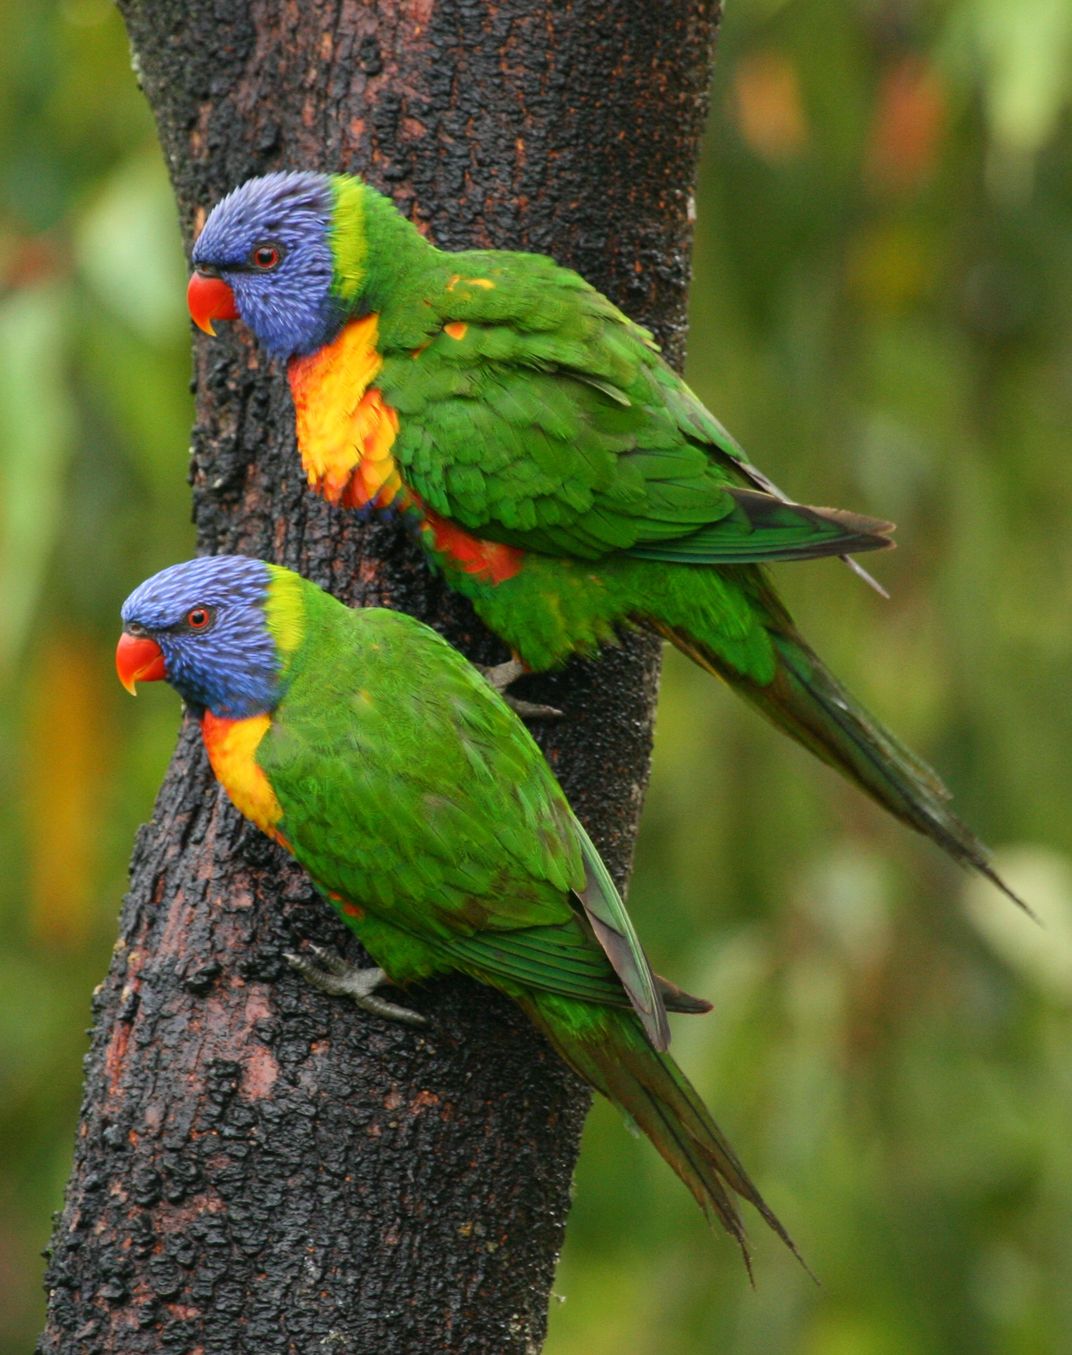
x=881, y=313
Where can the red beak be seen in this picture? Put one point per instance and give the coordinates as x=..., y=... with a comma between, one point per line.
x=138, y=659
x=209, y=298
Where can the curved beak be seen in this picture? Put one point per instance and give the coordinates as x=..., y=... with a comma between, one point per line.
x=209, y=298
x=138, y=659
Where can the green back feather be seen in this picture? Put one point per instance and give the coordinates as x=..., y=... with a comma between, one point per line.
x=409, y=788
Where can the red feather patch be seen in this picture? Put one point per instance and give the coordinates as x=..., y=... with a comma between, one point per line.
x=491, y=561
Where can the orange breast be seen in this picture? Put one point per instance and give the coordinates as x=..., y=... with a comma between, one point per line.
x=231, y=745
x=345, y=427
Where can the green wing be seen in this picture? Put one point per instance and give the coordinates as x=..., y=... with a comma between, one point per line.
x=542, y=417
x=409, y=788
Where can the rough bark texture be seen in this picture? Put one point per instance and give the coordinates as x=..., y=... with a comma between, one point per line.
x=259, y=1168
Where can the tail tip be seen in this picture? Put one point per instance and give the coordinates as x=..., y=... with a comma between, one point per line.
x=1010, y=893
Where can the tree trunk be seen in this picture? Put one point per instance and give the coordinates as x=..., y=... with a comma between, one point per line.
x=259, y=1168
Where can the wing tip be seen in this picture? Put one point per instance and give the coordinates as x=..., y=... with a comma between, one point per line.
x=847, y=532
x=676, y=999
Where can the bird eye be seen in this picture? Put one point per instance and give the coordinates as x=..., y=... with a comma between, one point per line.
x=265, y=256
x=199, y=618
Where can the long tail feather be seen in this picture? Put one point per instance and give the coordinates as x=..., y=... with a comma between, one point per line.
x=808, y=702
x=656, y=1094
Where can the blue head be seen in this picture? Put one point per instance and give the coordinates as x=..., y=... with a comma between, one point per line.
x=205, y=627
x=266, y=256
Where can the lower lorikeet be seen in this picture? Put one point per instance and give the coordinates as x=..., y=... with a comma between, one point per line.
x=563, y=477
x=425, y=813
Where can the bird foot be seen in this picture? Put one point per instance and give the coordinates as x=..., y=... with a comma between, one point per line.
x=332, y=975
x=503, y=675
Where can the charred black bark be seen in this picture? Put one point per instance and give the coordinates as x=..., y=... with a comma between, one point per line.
x=259, y=1168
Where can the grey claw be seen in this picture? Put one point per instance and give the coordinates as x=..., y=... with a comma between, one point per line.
x=357, y=982
x=532, y=710
x=501, y=676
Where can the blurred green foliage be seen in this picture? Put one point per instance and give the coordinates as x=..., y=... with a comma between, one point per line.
x=881, y=314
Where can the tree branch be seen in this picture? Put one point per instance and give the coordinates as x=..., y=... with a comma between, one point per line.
x=259, y=1167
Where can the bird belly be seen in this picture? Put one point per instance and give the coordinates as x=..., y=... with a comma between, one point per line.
x=553, y=607
x=545, y=608
x=459, y=551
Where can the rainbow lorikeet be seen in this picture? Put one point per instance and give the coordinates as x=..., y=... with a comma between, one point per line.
x=423, y=810
x=564, y=479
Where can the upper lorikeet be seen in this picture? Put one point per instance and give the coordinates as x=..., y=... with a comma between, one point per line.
x=564, y=478
x=423, y=810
